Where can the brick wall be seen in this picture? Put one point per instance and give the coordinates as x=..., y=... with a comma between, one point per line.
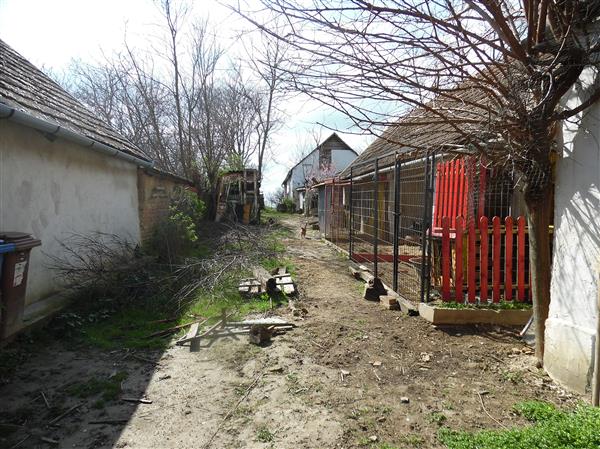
x=155, y=190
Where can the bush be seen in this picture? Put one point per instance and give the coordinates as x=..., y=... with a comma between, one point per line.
x=176, y=236
x=286, y=205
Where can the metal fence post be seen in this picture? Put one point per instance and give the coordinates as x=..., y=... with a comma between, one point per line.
x=376, y=219
x=351, y=211
x=396, y=219
x=430, y=224
x=426, y=228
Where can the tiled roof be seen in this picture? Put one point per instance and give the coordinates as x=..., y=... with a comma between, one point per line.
x=429, y=127
x=26, y=88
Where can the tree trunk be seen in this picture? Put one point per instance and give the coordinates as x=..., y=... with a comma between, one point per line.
x=539, y=216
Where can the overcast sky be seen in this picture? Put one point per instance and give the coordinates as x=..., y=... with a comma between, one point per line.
x=52, y=33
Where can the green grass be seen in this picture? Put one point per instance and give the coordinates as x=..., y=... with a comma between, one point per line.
x=264, y=435
x=110, y=388
x=128, y=328
x=502, y=305
x=551, y=429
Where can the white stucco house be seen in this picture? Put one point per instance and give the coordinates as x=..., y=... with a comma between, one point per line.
x=326, y=160
x=575, y=289
x=62, y=171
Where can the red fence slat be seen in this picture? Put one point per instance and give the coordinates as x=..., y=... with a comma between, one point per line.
x=521, y=258
x=483, y=258
x=508, y=261
x=454, y=204
x=446, y=192
x=482, y=190
x=471, y=262
x=461, y=190
x=496, y=254
x=458, y=277
x=446, y=259
x=437, y=222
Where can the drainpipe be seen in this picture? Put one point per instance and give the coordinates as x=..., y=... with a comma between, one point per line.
x=49, y=128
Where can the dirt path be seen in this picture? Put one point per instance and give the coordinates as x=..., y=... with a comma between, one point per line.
x=290, y=394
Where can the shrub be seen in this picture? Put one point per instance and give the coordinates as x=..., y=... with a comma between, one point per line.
x=175, y=237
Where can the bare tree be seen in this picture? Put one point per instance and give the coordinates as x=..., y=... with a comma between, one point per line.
x=492, y=73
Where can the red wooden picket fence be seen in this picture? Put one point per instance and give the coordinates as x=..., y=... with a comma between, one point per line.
x=466, y=254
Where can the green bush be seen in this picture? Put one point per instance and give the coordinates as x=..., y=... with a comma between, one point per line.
x=176, y=236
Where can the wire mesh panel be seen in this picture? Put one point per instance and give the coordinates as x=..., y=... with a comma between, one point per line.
x=363, y=221
x=413, y=223
x=390, y=217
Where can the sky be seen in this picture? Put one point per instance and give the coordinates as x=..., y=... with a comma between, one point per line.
x=51, y=34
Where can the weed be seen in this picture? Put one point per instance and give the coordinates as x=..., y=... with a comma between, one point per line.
x=264, y=435
x=292, y=378
x=552, y=428
x=411, y=439
x=437, y=418
x=512, y=376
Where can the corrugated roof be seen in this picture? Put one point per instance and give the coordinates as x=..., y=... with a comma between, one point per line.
x=443, y=121
x=26, y=88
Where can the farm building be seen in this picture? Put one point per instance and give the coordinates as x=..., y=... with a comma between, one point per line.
x=327, y=159
x=63, y=171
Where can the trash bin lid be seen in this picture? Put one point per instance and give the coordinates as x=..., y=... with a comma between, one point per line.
x=22, y=240
x=7, y=247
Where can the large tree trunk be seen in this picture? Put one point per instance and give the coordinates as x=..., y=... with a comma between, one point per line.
x=539, y=218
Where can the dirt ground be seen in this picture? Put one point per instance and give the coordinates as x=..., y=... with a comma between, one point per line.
x=351, y=375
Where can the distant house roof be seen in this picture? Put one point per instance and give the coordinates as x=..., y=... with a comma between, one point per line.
x=432, y=126
x=333, y=136
x=27, y=89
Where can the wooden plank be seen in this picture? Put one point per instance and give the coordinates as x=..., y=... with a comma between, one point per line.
x=437, y=221
x=482, y=189
x=496, y=254
x=190, y=335
x=508, y=255
x=265, y=278
x=455, y=195
x=483, y=259
x=471, y=262
x=468, y=206
x=461, y=189
x=458, y=277
x=446, y=259
x=446, y=190
x=521, y=258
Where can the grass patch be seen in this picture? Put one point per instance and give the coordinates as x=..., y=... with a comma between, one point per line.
x=552, y=428
x=437, y=418
x=502, y=305
x=515, y=377
x=110, y=388
x=264, y=435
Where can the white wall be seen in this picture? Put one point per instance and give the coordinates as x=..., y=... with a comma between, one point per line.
x=51, y=189
x=571, y=324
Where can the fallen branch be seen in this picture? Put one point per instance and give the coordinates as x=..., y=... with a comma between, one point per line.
x=488, y=413
x=62, y=415
x=109, y=421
